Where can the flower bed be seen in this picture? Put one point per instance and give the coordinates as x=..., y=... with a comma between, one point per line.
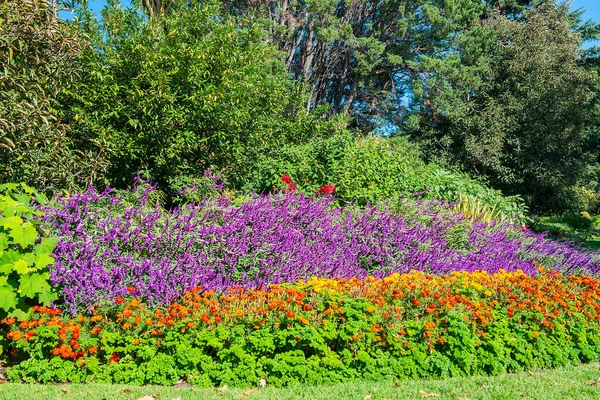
x=108, y=243
x=319, y=331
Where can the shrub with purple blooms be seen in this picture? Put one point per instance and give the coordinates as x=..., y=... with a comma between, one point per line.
x=109, y=244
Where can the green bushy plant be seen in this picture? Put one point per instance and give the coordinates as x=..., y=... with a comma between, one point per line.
x=24, y=252
x=371, y=170
x=319, y=332
x=40, y=56
x=201, y=89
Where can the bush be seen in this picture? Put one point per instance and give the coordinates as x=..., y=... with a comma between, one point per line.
x=371, y=170
x=319, y=332
x=40, y=57
x=200, y=89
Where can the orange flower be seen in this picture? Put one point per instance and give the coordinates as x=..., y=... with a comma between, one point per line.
x=14, y=335
x=95, y=331
x=290, y=314
x=119, y=300
x=430, y=325
x=92, y=350
x=205, y=318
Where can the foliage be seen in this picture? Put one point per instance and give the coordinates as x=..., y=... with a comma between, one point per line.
x=473, y=208
x=513, y=105
x=199, y=89
x=111, y=241
x=372, y=170
x=319, y=332
x=25, y=252
x=38, y=58
x=577, y=228
x=358, y=56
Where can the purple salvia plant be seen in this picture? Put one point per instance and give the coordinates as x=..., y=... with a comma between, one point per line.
x=109, y=242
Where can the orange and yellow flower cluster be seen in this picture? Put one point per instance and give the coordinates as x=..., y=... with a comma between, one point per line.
x=398, y=314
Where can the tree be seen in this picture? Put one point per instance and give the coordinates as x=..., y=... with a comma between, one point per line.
x=357, y=55
x=513, y=105
x=39, y=58
x=201, y=89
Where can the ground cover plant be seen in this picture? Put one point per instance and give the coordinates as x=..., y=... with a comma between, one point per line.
x=567, y=383
x=111, y=241
x=319, y=331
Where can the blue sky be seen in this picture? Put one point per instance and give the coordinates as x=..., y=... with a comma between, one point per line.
x=592, y=8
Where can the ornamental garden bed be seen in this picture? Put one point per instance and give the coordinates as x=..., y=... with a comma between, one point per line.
x=281, y=290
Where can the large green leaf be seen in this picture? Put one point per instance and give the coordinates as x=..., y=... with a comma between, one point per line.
x=21, y=267
x=32, y=284
x=43, y=260
x=11, y=222
x=47, y=296
x=24, y=235
x=8, y=297
x=46, y=246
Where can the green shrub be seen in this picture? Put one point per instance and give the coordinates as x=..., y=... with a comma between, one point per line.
x=371, y=170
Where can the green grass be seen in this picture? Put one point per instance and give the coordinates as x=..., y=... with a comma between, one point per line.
x=574, y=382
x=572, y=227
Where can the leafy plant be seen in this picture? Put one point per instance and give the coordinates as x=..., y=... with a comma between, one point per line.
x=39, y=58
x=25, y=253
x=373, y=170
x=318, y=331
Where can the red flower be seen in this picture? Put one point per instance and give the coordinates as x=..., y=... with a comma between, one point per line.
x=115, y=357
x=327, y=189
x=131, y=289
x=286, y=179
x=119, y=300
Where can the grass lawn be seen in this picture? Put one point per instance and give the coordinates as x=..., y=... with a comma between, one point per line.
x=579, y=382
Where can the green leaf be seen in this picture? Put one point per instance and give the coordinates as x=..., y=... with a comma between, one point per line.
x=19, y=314
x=8, y=297
x=24, y=235
x=3, y=243
x=32, y=284
x=46, y=296
x=46, y=246
x=21, y=267
x=11, y=222
x=43, y=260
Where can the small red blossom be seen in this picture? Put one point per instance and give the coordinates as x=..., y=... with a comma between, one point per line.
x=327, y=189
x=286, y=179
